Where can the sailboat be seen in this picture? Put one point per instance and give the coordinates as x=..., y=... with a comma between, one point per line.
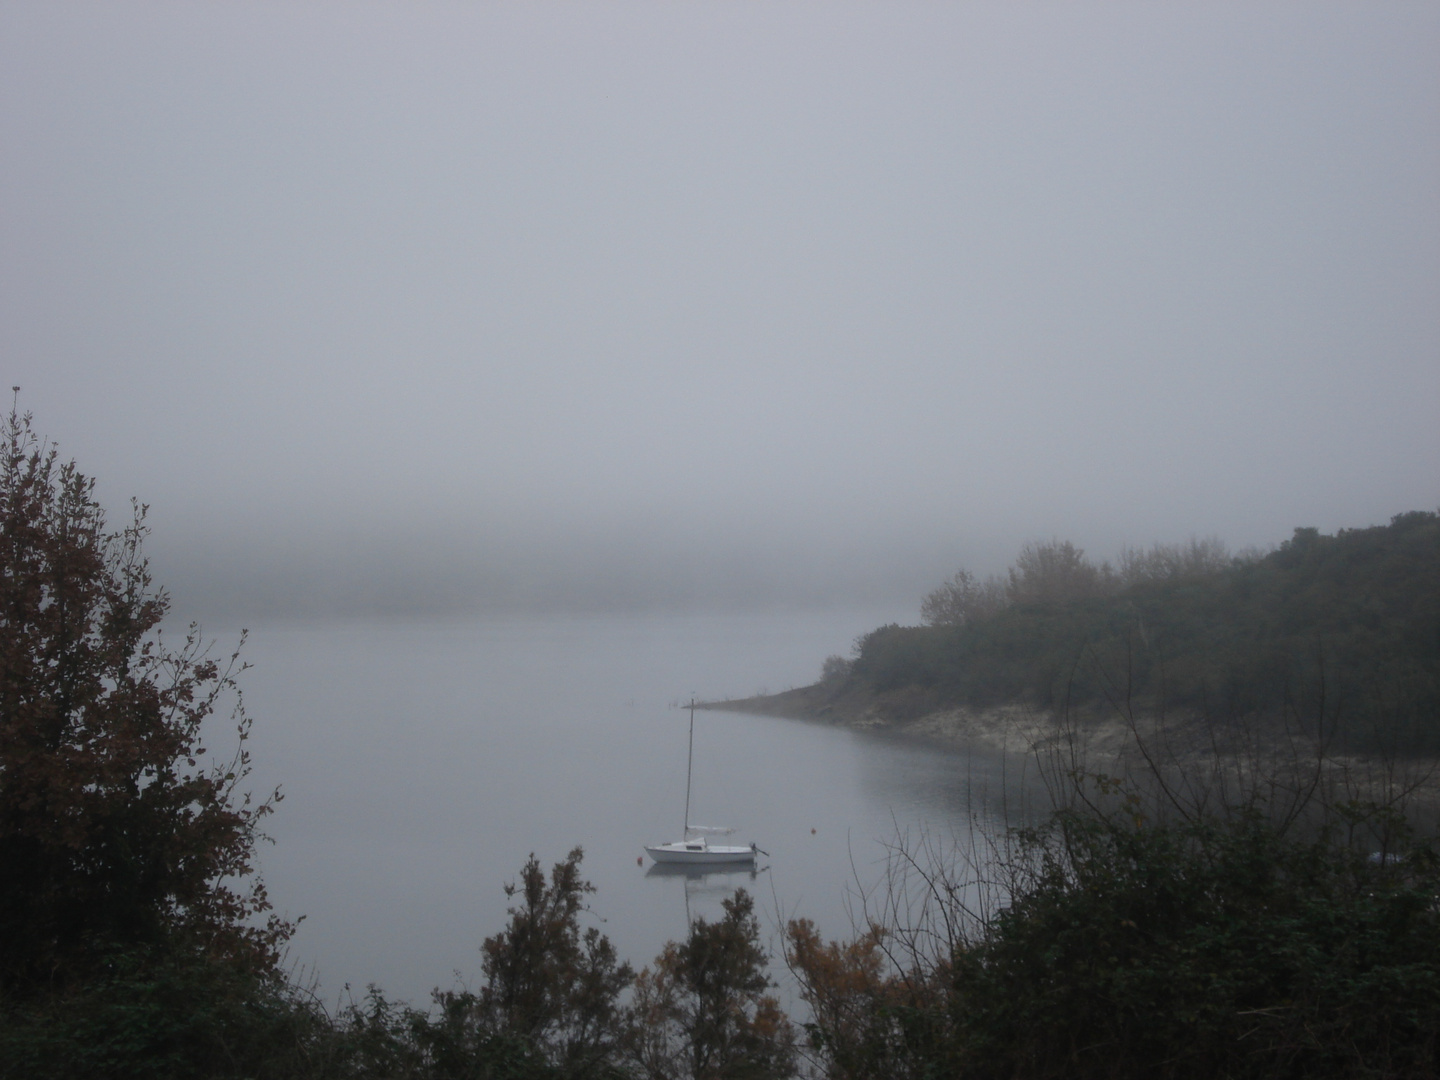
x=694, y=847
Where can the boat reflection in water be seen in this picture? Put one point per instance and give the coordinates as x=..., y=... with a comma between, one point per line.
x=707, y=883
x=701, y=871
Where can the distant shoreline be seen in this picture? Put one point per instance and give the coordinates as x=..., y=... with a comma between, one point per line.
x=1009, y=728
x=1100, y=742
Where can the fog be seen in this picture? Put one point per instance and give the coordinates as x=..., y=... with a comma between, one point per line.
x=454, y=307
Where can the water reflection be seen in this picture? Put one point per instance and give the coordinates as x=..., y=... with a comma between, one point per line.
x=693, y=872
x=707, y=887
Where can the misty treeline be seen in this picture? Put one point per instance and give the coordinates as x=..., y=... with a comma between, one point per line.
x=1058, y=571
x=1339, y=635
x=1242, y=916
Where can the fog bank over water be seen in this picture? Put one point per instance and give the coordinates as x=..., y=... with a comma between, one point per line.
x=416, y=575
x=418, y=568
x=465, y=575
x=448, y=307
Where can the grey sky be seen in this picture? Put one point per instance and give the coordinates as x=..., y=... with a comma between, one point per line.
x=430, y=305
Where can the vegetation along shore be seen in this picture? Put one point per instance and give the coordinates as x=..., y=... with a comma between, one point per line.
x=1341, y=631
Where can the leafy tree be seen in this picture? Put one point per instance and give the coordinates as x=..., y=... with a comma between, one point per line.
x=834, y=671
x=963, y=599
x=1171, y=562
x=1055, y=573
x=704, y=1011
x=551, y=996
x=868, y=1020
x=115, y=834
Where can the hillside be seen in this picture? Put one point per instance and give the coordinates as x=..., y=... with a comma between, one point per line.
x=1334, y=635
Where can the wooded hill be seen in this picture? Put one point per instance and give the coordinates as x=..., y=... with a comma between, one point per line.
x=1337, y=634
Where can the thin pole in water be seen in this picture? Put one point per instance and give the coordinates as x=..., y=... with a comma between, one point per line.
x=689, y=761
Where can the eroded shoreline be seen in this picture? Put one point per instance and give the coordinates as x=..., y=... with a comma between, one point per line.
x=1008, y=728
x=1111, y=744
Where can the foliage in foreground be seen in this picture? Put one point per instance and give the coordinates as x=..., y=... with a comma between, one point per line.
x=1189, y=949
x=704, y=1010
x=551, y=1008
x=162, y=1015
x=117, y=840
x=1194, y=948
x=551, y=1000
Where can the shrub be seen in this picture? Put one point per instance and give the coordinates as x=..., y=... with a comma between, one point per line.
x=703, y=1012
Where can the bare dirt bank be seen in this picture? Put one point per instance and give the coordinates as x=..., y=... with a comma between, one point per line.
x=1113, y=744
x=1004, y=728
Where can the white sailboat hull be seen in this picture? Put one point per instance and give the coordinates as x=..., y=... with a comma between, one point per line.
x=698, y=852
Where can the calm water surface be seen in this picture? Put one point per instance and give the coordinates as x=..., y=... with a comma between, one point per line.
x=423, y=763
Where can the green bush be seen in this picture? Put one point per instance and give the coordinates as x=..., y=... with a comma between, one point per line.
x=1192, y=949
x=1204, y=949
x=162, y=1016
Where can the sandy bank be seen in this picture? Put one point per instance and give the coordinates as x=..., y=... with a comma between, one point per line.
x=1006, y=728
x=1107, y=743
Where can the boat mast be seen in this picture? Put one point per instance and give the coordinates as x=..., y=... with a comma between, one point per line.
x=689, y=760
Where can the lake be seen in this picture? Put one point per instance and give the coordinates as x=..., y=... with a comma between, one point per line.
x=422, y=763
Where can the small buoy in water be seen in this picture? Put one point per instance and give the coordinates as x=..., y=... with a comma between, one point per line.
x=640, y=859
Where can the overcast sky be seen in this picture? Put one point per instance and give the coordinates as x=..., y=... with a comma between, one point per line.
x=437, y=306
